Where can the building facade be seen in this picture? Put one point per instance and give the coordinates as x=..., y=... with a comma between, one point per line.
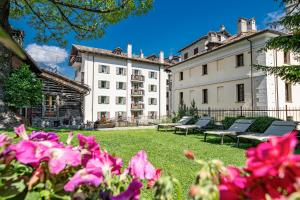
x=122, y=85
x=222, y=75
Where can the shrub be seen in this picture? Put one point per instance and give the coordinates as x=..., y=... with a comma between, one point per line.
x=259, y=126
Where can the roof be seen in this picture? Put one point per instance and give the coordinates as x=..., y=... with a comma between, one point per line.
x=224, y=32
x=232, y=40
x=65, y=81
x=99, y=51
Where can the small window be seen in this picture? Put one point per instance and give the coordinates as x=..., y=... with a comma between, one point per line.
x=181, y=98
x=103, y=84
x=104, y=69
x=152, y=88
x=121, y=86
x=204, y=69
x=180, y=76
x=103, y=116
x=120, y=100
x=204, y=96
x=121, y=71
x=82, y=77
x=152, y=101
x=152, y=115
x=286, y=57
x=103, y=99
x=121, y=115
x=186, y=56
x=288, y=92
x=196, y=51
x=50, y=103
x=136, y=72
x=153, y=75
x=240, y=91
x=240, y=60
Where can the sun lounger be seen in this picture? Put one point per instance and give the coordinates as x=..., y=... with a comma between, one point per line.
x=238, y=127
x=183, y=121
x=202, y=123
x=277, y=128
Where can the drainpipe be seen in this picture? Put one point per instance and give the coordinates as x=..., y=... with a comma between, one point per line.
x=159, y=80
x=251, y=74
x=276, y=86
x=93, y=90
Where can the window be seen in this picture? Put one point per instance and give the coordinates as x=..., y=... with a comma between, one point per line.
x=220, y=94
x=152, y=115
x=103, y=99
x=204, y=96
x=120, y=100
x=152, y=88
x=204, y=69
x=121, y=115
x=240, y=60
x=136, y=72
x=288, y=92
x=121, y=86
x=196, y=51
x=103, y=116
x=240, y=91
x=186, y=56
x=152, y=101
x=121, y=71
x=104, y=69
x=138, y=86
x=103, y=84
x=50, y=103
x=180, y=76
x=181, y=98
x=153, y=75
x=286, y=58
x=167, y=95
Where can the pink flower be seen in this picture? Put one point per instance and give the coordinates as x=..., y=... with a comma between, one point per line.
x=140, y=167
x=59, y=158
x=21, y=132
x=89, y=147
x=132, y=193
x=267, y=157
x=104, y=164
x=155, y=178
x=82, y=177
x=41, y=136
x=232, y=185
x=4, y=140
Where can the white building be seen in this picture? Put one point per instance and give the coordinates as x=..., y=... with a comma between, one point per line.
x=122, y=85
x=217, y=71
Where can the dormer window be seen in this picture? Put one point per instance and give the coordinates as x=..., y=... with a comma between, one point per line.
x=186, y=56
x=196, y=51
x=117, y=51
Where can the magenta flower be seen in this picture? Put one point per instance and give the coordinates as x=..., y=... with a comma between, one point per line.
x=89, y=148
x=21, y=132
x=140, y=167
x=104, y=164
x=82, y=177
x=41, y=136
x=59, y=158
x=132, y=193
x=4, y=140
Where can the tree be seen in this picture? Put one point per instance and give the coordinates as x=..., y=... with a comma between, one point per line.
x=287, y=42
x=22, y=89
x=53, y=19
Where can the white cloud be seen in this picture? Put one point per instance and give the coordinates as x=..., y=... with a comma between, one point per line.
x=50, y=56
x=274, y=17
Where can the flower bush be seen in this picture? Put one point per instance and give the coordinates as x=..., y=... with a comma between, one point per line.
x=40, y=166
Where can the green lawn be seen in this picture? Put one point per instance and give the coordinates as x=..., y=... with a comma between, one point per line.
x=165, y=150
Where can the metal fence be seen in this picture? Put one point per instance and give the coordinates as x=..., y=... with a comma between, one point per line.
x=219, y=114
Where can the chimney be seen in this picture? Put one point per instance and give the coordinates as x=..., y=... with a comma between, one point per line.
x=242, y=25
x=251, y=25
x=142, y=54
x=222, y=28
x=161, y=57
x=129, y=50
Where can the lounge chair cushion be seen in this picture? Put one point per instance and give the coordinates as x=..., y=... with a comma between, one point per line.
x=222, y=132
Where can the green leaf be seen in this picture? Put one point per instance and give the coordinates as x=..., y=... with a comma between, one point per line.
x=33, y=195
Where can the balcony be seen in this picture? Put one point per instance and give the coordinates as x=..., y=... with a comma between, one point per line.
x=137, y=78
x=76, y=61
x=137, y=92
x=137, y=106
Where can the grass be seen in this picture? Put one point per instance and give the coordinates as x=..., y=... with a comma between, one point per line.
x=165, y=151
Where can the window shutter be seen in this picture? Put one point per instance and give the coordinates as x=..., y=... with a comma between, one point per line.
x=155, y=75
x=149, y=101
x=99, y=84
x=149, y=88
x=124, y=86
x=108, y=69
x=124, y=71
x=155, y=101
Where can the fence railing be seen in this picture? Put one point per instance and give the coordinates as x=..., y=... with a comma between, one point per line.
x=219, y=114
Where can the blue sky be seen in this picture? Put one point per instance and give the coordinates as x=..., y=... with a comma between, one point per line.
x=170, y=25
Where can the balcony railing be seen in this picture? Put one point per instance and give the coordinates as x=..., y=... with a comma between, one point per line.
x=137, y=106
x=137, y=92
x=138, y=78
